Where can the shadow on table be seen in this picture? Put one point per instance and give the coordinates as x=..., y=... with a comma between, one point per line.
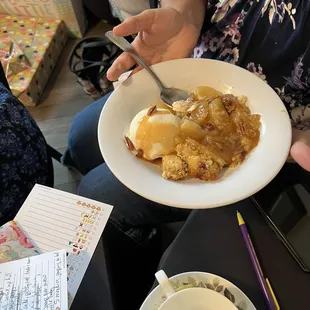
x=119, y=275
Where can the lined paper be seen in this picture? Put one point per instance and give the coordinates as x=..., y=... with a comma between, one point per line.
x=35, y=283
x=55, y=220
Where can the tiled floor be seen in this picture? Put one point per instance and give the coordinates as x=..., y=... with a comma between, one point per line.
x=62, y=99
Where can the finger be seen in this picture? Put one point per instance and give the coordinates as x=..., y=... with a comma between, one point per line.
x=123, y=63
x=135, y=24
x=300, y=150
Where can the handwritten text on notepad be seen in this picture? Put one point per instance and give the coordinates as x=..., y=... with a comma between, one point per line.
x=54, y=220
x=37, y=283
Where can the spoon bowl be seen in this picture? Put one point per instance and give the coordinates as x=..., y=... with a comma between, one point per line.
x=167, y=95
x=171, y=95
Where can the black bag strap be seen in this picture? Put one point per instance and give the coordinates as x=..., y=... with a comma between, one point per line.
x=92, y=57
x=93, y=42
x=153, y=4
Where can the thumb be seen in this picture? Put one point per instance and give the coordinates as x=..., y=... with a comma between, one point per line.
x=135, y=24
x=300, y=150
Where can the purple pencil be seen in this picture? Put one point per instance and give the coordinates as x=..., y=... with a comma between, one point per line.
x=258, y=270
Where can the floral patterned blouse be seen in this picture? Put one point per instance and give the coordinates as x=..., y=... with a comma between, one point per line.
x=24, y=160
x=270, y=38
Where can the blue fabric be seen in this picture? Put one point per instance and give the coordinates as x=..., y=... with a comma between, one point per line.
x=83, y=149
x=23, y=155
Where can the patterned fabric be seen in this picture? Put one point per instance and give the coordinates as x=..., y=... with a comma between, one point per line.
x=29, y=49
x=14, y=244
x=23, y=155
x=70, y=11
x=271, y=39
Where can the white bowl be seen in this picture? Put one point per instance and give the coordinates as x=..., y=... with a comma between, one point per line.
x=197, y=298
x=140, y=91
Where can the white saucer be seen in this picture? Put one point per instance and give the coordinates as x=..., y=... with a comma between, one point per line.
x=201, y=280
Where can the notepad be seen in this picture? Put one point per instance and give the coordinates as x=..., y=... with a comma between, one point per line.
x=37, y=283
x=56, y=220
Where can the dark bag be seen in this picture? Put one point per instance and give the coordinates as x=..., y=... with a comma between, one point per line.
x=90, y=60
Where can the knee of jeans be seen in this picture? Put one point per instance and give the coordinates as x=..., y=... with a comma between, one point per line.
x=85, y=189
x=76, y=137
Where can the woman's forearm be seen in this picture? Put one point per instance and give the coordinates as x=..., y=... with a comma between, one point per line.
x=194, y=10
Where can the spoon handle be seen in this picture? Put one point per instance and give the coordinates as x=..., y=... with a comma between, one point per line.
x=164, y=282
x=124, y=45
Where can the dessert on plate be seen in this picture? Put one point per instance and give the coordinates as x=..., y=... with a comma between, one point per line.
x=197, y=138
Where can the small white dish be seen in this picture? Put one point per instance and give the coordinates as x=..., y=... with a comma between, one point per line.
x=192, y=298
x=200, y=280
x=140, y=91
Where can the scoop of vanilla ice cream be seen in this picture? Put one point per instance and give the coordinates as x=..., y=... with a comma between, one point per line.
x=155, y=134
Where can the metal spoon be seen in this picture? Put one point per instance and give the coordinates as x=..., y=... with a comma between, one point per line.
x=168, y=95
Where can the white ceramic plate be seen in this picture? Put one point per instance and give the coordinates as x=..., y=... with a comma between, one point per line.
x=204, y=280
x=140, y=91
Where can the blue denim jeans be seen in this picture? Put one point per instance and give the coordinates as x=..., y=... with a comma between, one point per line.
x=135, y=216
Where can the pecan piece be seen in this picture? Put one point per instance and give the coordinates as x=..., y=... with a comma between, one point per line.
x=209, y=126
x=139, y=153
x=151, y=110
x=241, y=128
x=129, y=144
x=243, y=156
x=202, y=165
x=229, y=102
x=132, y=149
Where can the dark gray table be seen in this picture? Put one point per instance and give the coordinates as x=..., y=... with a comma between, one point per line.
x=211, y=241
x=94, y=292
x=119, y=275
